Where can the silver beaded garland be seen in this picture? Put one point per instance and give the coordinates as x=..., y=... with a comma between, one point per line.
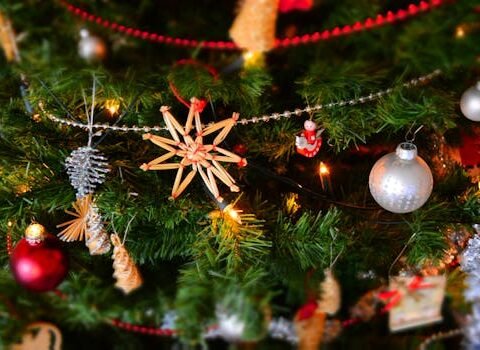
x=401, y=181
x=90, y=47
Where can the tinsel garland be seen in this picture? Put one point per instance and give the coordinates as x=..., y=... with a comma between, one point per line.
x=470, y=264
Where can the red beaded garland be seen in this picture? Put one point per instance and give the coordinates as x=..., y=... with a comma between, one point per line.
x=380, y=20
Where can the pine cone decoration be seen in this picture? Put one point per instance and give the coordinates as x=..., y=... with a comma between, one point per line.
x=125, y=271
x=96, y=238
x=86, y=168
x=254, y=26
x=330, y=297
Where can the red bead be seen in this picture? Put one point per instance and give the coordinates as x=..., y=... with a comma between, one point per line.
x=390, y=16
x=240, y=149
x=39, y=267
x=325, y=34
x=336, y=31
x=369, y=23
x=401, y=14
x=424, y=5
x=379, y=20
x=412, y=9
x=357, y=26
x=346, y=29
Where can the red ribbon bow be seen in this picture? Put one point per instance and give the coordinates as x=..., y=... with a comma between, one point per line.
x=393, y=297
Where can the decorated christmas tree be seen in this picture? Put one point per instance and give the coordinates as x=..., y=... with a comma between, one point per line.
x=267, y=174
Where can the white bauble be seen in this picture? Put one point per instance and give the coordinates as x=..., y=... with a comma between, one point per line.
x=90, y=47
x=401, y=181
x=470, y=103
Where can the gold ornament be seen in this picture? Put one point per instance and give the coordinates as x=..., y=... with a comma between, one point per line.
x=87, y=226
x=7, y=39
x=125, y=271
x=35, y=232
x=40, y=336
x=194, y=152
x=254, y=26
x=330, y=295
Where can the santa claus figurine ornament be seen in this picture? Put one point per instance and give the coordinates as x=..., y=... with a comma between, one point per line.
x=309, y=141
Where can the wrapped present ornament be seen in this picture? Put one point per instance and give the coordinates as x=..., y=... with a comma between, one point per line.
x=414, y=301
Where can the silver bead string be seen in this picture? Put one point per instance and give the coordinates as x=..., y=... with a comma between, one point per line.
x=439, y=336
x=256, y=119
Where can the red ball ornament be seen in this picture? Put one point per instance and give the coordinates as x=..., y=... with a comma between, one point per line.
x=38, y=262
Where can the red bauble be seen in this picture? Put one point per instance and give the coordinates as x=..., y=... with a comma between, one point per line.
x=39, y=265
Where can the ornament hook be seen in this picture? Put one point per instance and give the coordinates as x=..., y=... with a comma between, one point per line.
x=411, y=139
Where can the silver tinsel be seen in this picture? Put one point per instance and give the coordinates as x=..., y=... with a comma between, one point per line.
x=97, y=239
x=86, y=168
x=283, y=329
x=470, y=264
x=230, y=327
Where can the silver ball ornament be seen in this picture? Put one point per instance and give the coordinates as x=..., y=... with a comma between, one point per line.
x=91, y=48
x=470, y=103
x=401, y=181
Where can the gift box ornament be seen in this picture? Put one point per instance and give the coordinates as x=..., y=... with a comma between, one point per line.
x=414, y=301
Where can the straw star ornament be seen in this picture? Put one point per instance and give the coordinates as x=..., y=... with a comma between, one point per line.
x=203, y=158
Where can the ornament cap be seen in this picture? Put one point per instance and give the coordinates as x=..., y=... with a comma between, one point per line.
x=35, y=233
x=406, y=151
x=477, y=86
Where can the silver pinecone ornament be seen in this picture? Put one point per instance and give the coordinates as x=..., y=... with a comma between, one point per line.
x=86, y=168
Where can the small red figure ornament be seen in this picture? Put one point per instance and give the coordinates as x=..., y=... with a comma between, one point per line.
x=309, y=141
x=38, y=262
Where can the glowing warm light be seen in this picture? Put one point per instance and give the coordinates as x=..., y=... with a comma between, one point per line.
x=22, y=188
x=234, y=214
x=252, y=59
x=291, y=203
x=112, y=106
x=35, y=232
x=460, y=32
x=323, y=169
x=9, y=224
